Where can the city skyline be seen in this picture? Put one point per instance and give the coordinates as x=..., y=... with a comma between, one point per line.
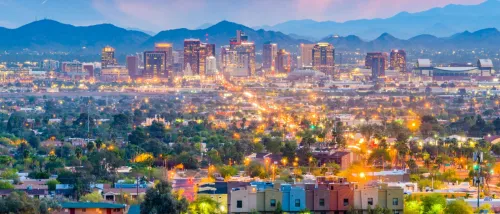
x=150, y=16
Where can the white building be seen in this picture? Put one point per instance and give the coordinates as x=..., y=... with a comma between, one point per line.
x=211, y=65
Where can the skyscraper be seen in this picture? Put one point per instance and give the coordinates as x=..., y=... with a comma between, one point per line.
x=378, y=61
x=323, y=55
x=306, y=54
x=398, y=60
x=155, y=64
x=132, y=65
x=108, y=57
x=283, y=61
x=211, y=66
x=210, y=49
x=167, y=47
x=269, y=53
x=238, y=58
x=192, y=55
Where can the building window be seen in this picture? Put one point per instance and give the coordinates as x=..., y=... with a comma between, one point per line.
x=395, y=201
x=116, y=210
x=370, y=201
x=84, y=210
x=322, y=202
x=346, y=202
x=297, y=202
x=239, y=204
x=273, y=203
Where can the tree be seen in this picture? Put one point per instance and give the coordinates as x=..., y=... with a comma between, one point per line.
x=458, y=207
x=433, y=203
x=33, y=140
x=6, y=185
x=18, y=202
x=160, y=200
x=206, y=205
x=52, y=184
x=226, y=171
x=413, y=207
x=92, y=197
x=379, y=156
x=278, y=209
x=137, y=136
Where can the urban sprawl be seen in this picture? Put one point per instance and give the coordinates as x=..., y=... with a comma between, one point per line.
x=240, y=129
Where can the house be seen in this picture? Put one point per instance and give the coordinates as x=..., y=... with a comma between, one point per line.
x=243, y=199
x=343, y=159
x=329, y=198
x=391, y=197
x=216, y=191
x=269, y=198
x=33, y=193
x=114, y=194
x=294, y=198
x=91, y=208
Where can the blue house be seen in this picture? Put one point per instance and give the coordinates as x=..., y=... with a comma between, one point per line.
x=294, y=198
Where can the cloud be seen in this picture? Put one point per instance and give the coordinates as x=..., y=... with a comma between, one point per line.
x=168, y=14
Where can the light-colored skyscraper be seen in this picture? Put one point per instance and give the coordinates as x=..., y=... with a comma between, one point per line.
x=211, y=66
x=306, y=54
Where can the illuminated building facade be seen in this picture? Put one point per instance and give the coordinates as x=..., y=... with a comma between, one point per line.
x=108, y=57
x=155, y=64
x=167, y=48
x=283, y=61
x=89, y=69
x=378, y=65
x=398, y=60
x=269, y=53
x=192, y=55
x=323, y=55
x=210, y=49
x=306, y=55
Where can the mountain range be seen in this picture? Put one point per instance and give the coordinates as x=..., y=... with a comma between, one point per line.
x=440, y=22
x=52, y=36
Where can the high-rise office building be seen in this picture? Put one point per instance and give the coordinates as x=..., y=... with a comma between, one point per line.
x=155, y=64
x=398, y=60
x=167, y=47
x=269, y=52
x=192, y=55
x=195, y=55
x=378, y=65
x=210, y=49
x=238, y=58
x=108, y=57
x=133, y=66
x=323, y=55
x=283, y=61
x=369, y=57
x=211, y=66
x=306, y=55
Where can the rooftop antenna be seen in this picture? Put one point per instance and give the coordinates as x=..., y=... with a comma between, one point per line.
x=206, y=37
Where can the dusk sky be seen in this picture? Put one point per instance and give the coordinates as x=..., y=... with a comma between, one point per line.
x=157, y=15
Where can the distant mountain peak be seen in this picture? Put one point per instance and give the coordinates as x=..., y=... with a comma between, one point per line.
x=386, y=36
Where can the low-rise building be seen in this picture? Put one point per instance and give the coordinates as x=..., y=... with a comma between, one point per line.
x=90, y=208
